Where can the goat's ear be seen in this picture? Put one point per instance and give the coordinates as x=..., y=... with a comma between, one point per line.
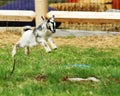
x=53, y=16
x=48, y=20
x=43, y=18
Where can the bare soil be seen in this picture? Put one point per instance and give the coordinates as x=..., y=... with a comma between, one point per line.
x=113, y=41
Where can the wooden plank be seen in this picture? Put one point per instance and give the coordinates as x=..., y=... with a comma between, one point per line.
x=92, y=17
x=95, y=1
x=41, y=9
x=16, y=15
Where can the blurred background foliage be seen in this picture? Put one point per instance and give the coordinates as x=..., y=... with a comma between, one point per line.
x=2, y=2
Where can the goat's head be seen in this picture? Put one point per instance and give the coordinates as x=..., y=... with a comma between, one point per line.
x=51, y=25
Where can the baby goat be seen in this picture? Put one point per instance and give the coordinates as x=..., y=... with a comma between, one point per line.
x=40, y=35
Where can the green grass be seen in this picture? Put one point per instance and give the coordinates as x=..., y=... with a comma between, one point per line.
x=103, y=64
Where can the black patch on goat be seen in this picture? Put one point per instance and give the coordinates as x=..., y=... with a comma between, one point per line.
x=26, y=29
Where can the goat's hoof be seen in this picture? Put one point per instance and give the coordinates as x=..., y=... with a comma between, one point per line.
x=27, y=54
x=13, y=54
x=49, y=51
x=55, y=49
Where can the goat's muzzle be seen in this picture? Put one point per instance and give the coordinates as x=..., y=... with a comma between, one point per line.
x=54, y=31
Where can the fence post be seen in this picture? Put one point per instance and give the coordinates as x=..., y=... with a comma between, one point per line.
x=41, y=9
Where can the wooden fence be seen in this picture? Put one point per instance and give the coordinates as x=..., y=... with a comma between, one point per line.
x=74, y=19
x=87, y=15
x=16, y=15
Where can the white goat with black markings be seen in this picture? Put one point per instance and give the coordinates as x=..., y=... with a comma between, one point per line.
x=40, y=35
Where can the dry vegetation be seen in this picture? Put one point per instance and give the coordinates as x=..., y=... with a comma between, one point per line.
x=79, y=6
x=90, y=26
x=91, y=41
x=9, y=38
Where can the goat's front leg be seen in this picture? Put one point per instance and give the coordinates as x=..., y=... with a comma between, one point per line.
x=52, y=44
x=27, y=50
x=45, y=45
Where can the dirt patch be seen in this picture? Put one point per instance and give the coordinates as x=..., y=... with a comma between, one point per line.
x=91, y=41
x=40, y=77
x=9, y=38
x=117, y=80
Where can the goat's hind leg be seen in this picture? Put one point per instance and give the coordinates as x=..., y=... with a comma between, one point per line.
x=27, y=50
x=14, y=51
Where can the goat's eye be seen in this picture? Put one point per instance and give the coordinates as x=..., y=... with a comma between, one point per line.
x=49, y=27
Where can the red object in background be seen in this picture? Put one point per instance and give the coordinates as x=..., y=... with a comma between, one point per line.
x=72, y=1
x=116, y=4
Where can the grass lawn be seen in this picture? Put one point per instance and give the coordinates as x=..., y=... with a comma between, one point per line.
x=42, y=74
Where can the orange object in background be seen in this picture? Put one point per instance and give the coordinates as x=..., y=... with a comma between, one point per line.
x=116, y=4
x=72, y=1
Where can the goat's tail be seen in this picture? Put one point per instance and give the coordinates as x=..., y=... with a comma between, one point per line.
x=26, y=28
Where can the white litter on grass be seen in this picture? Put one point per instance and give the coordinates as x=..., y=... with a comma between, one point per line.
x=82, y=79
